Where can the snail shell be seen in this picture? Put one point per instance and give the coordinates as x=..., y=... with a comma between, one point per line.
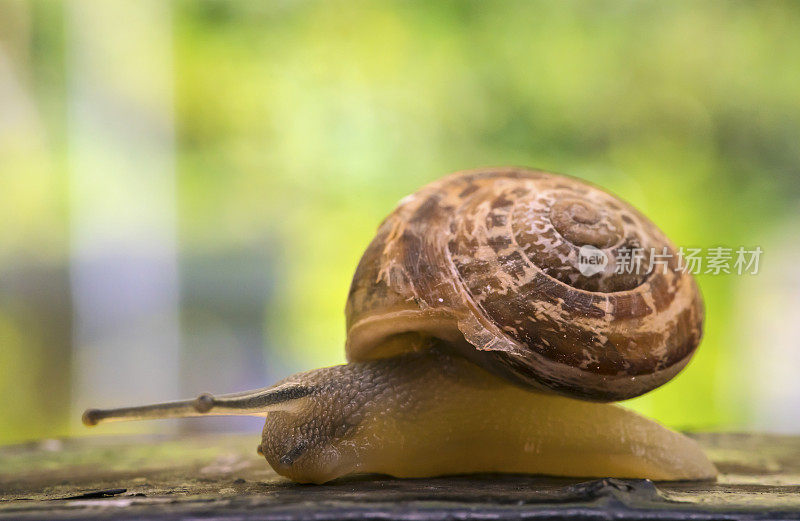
x=486, y=262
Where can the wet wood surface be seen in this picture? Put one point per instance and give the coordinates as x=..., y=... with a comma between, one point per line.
x=221, y=477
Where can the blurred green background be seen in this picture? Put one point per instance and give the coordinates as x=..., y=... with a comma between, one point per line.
x=186, y=187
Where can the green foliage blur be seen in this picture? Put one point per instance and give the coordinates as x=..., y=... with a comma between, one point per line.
x=301, y=124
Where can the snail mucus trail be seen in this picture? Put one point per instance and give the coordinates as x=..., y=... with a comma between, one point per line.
x=475, y=344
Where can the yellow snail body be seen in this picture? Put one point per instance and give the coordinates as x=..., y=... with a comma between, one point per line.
x=476, y=344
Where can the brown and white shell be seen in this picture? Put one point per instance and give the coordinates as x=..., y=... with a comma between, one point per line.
x=487, y=262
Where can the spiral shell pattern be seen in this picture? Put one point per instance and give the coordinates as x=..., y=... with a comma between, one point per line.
x=488, y=262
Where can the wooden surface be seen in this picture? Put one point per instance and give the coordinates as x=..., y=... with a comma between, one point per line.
x=221, y=477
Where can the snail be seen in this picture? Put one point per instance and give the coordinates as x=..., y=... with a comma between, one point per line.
x=476, y=344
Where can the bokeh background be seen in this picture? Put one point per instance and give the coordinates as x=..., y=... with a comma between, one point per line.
x=186, y=187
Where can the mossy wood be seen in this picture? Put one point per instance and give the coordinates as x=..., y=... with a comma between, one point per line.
x=222, y=477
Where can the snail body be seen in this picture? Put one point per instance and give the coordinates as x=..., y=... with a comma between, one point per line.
x=475, y=344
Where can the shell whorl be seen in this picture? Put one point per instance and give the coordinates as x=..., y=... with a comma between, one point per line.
x=488, y=261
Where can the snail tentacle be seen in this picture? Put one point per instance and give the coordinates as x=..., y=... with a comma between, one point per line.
x=257, y=402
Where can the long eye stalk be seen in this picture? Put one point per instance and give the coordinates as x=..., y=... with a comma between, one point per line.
x=248, y=403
